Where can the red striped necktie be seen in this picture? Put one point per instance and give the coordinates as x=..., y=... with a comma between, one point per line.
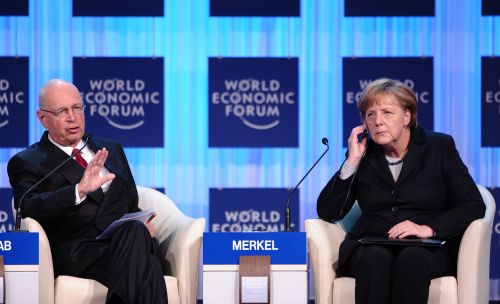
x=78, y=158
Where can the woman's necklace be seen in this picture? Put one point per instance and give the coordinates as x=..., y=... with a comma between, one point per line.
x=394, y=163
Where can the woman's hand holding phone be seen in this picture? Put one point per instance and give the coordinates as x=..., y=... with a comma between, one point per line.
x=357, y=144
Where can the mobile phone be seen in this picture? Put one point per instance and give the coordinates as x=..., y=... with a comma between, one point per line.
x=362, y=135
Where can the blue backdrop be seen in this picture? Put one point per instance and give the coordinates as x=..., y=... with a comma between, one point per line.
x=186, y=37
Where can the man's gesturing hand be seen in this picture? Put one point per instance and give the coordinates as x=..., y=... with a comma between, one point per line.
x=91, y=179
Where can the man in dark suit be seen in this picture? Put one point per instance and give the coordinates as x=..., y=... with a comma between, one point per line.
x=408, y=183
x=82, y=198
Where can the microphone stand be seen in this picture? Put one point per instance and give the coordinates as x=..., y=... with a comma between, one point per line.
x=324, y=141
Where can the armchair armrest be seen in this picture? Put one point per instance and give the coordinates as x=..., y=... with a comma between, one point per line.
x=323, y=240
x=45, y=270
x=182, y=251
x=474, y=255
x=180, y=240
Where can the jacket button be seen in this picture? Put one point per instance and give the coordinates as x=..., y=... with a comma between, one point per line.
x=394, y=209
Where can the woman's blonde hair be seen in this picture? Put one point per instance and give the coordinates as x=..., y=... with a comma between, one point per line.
x=404, y=95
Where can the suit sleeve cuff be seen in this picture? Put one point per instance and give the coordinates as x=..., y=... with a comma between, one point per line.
x=78, y=199
x=347, y=170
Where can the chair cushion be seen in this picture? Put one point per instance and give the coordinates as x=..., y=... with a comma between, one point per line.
x=343, y=290
x=443, y=290
x=75, y=290
x=172, y=290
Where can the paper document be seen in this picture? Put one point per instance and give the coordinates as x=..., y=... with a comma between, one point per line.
x=141, y=216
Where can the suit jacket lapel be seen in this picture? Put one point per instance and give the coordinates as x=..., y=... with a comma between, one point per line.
x=94, y=146
x=416, y=149
x=417, y=146
x=71, y=170
x=376, y=159
x=111, y=166
x=54, y=156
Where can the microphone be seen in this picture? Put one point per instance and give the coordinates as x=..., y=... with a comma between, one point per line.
x=324, y=141
x=18, y=211
x=352, y=180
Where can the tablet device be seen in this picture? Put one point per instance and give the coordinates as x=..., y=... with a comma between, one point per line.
x=401, y=242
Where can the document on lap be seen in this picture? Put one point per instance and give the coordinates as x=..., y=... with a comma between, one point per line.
x=390, y=241
x=141, y=216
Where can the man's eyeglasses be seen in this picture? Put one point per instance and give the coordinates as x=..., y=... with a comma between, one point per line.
x=64, y=112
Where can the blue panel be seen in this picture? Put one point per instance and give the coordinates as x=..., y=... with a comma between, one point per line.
x=255, y=8
x=118, y=8
x=417, y=74
x=490, y=7
x=124, y=98
x=14, y=8
x=253, y=102
x=6, y=216
x=14, y=99
x=251, y=209
x=389, y=8
x=490, y=101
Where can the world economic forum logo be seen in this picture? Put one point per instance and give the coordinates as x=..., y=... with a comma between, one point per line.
x=8, y=98
x=124, y=98
x=6, y=218
x=251, y=98
x=116, y=98
x=490, y=101
x=253, y=102
x=14, y=101
x=258, y=209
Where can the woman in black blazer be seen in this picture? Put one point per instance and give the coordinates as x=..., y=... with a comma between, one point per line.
x=409, y=183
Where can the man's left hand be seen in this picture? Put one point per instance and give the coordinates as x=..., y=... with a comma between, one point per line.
x=91, y=179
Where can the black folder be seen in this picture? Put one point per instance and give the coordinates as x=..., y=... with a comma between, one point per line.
x=401, y=242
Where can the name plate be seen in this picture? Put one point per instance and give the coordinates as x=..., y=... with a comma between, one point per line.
x=283, y=247
x=19, y=248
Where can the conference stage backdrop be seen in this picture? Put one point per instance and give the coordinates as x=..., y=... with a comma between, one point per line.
x=146, y=69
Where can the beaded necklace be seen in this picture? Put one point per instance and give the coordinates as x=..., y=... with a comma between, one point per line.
x=394, y=163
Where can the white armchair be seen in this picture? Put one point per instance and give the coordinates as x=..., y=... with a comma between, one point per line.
x=180, y=240
x=469, y=287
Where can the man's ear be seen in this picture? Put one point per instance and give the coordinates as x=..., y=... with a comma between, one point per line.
x=41, y=117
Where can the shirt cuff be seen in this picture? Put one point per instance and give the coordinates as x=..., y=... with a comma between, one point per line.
x=347, y=170
x=78, y=200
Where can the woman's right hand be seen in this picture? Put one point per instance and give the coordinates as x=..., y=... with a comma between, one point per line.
x=356, y=149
